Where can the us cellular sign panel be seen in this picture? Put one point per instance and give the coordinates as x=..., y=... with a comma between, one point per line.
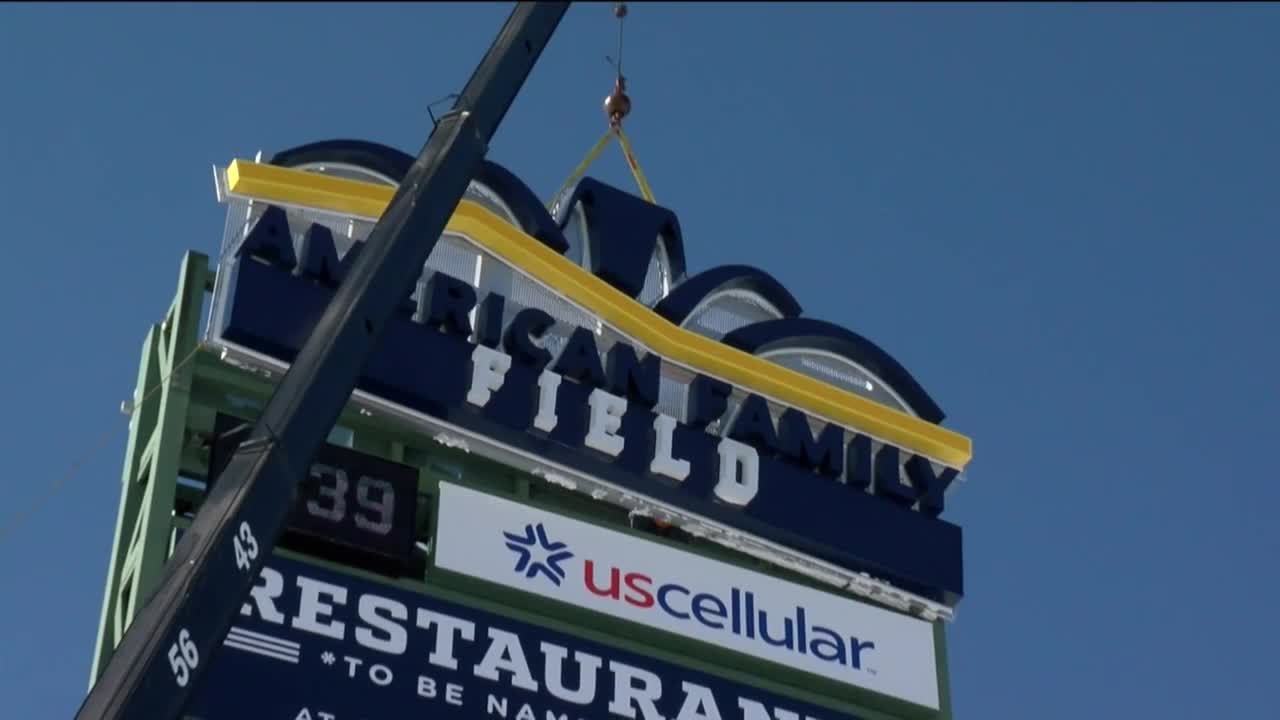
x=645, y=582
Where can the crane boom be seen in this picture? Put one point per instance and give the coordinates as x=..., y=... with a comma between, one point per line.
x=167, y=648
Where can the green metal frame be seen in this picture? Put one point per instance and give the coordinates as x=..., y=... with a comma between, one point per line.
x=175, y=404
x=159, y=410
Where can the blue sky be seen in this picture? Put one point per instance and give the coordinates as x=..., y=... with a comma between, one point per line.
x=1062, y=219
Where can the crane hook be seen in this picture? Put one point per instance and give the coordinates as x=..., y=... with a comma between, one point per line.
x=617, y=105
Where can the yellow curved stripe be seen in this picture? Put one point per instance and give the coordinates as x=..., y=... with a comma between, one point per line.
x=655, y=332
x=324, y=192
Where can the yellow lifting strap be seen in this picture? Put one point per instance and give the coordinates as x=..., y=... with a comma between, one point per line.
x=616, y=106
x=636, y=172
x=594, y=153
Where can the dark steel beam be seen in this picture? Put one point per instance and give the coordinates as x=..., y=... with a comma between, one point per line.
x=170, y=643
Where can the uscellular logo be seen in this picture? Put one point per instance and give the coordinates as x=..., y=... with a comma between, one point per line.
x=769, y=623
x=536, y=554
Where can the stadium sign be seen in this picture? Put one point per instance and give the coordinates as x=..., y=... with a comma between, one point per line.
x=508, y=348
x=313, y=644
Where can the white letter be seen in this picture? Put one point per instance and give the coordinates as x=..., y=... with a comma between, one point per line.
x=352, y=664
x=496, y=704
x=606, y=418
x=311, y=609
x=488, y=368
x=699, y=703
x=553, y=669
x=663, y=463
x=303, y=714
x=264, y=596
x=731, y=488
x=505, y=653
x=627, y=697
x=752, y=710
x=426, y=687
x=397, y=638
x=453, y=694
x=446, y=626
x=380, y=671
x=548, y=383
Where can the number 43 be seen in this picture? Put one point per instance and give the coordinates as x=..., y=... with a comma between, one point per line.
x=246, y=546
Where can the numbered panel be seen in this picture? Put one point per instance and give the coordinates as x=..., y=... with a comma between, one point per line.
x=351, y=504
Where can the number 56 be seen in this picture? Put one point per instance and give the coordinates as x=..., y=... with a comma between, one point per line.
x=183, y=657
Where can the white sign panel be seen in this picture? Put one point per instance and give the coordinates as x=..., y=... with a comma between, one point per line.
x=633, y=579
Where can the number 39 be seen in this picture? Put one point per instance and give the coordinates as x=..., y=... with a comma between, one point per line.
x=374, y=496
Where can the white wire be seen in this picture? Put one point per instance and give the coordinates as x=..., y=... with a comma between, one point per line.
x=38, y=504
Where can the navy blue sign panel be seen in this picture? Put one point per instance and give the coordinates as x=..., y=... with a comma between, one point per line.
x=313, y=643
x=428, y=367
x=352, y=507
